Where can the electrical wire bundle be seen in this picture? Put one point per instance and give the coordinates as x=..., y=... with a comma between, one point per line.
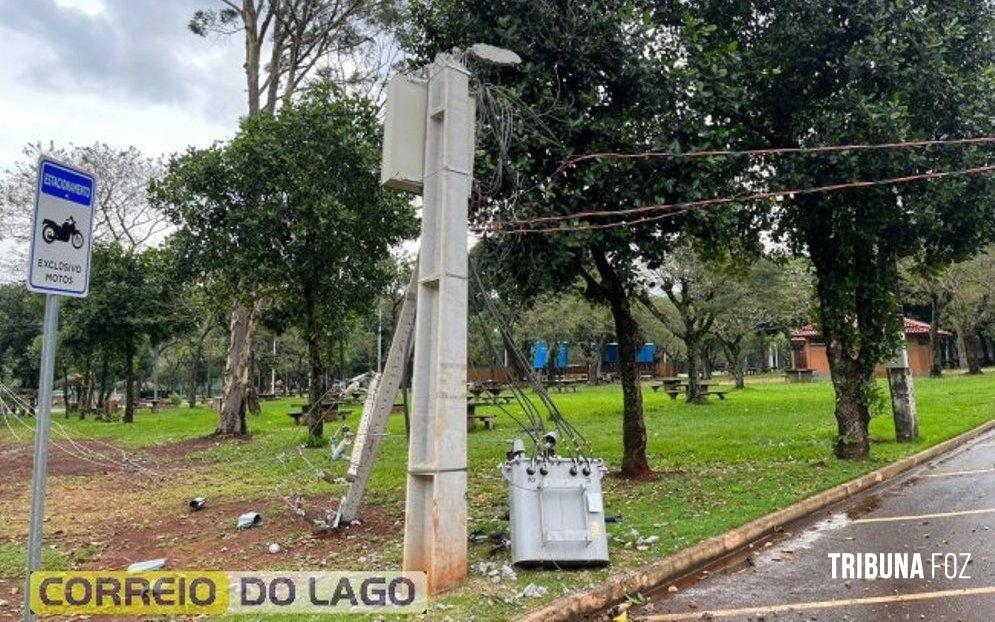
x=544, y=442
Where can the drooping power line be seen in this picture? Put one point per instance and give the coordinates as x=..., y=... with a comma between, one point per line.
x=669, y=210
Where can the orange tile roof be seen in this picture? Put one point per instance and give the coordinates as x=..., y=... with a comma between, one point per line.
x=912, y=327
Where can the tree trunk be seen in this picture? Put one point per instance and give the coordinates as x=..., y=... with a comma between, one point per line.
x=971, y=353
x=192, y=377
x=936, y=366
x=634, y=462
x=104, y=374
x=853, y=391
x=85, y=403
x=231, y=418
x=706, y=363
x=737, y=362
x=316, y=371
x=693, y=345
x=65, y=389
x=129, y=382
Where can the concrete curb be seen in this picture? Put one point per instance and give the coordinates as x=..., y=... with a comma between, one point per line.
x=643, y=579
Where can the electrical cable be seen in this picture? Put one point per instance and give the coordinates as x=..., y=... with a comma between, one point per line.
x=574, y=436
x=675, y=209
x=912, y=144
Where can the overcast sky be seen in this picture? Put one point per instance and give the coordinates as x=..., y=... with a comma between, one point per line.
x=125, y=72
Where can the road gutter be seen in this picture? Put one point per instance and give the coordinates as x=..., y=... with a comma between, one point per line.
x=615, y=588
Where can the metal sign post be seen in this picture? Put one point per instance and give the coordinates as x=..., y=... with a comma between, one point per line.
x=42, y=424
x=60, y=266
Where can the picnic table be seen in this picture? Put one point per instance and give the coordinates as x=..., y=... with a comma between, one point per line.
x=799, y=375
x=472, y=416
x=675, y=386
x=565, y=384
x=331, y=411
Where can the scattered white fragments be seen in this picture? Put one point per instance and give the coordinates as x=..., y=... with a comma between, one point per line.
x=533, y=591
x=494, y=572
x=642, y=544
x=249, y=519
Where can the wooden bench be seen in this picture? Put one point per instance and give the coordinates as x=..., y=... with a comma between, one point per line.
x=488, y=420
x=333, y=414
x=472, y=417
x=719, y=394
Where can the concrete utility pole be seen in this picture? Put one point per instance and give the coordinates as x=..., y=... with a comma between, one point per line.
x=379, y=402
x=435, y=508
x=272, y=371
x=903, y=396
x=428, y=149
x=379, y=338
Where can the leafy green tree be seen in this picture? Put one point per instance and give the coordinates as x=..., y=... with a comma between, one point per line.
x=962, y=298
x=20, y=324
x=620, y=75
x=971, y=306
x=286, y=44
x=128, y=306
x=693, y=297
x=764, y=298
x=307, y=226
x=829, y=72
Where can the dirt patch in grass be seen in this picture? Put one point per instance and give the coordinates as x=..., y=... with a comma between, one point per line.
x=126, y=516
x=63, y=459
x=95, y=457
x=209, y=539
x=184, y=448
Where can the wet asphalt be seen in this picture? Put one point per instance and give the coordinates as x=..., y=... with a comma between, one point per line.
x=943, y=510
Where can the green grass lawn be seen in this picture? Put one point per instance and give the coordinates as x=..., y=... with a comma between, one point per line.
x=722, y=464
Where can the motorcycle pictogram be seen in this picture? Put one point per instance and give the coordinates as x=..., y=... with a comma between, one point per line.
x=66, y=232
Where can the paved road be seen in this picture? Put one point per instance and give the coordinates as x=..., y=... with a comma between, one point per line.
x=945, y=507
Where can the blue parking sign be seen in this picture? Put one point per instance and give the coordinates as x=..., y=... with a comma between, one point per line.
x=62, y=230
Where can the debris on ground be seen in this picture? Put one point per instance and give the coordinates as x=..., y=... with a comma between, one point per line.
x=249, y=519
x=533, y=591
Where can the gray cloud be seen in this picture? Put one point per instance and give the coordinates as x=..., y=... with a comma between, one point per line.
x=135, y=49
